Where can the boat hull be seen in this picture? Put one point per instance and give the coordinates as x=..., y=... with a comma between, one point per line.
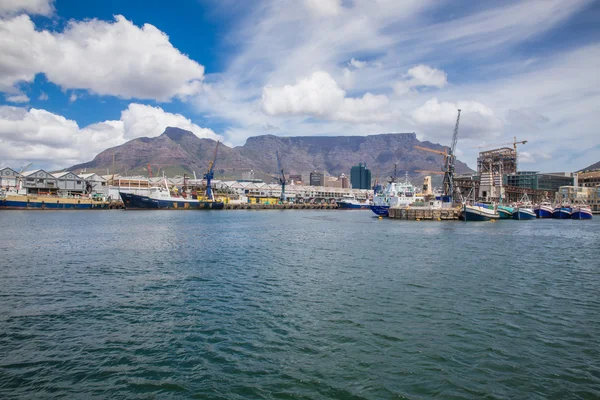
x=505, y=212
x=561, y=213
x=382, y=211
x=342, y=205
x=471, y=213
x=581, y=214
x=523, y=214
x=22, y=202
x=543, y=212
x=137, y=202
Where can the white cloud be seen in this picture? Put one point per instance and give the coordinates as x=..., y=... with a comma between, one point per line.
x=438, y=119
x=419, y=76
x=324, y=8
x=106, y=58
x=143, y=120
x=357, y=63
x=17, y=98
x=43, y=96
x=72, y=98
x=52, y=141
x=39, y=7
x=319, y=95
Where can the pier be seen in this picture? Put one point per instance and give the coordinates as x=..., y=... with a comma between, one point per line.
x=415, y=214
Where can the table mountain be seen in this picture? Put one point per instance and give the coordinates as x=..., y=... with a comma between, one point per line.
x=178, y=151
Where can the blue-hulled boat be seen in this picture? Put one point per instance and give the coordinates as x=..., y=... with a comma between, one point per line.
x=523, y=213
x=581, y=212
x=478, y=212
x=160, y=198
x=543, y=210
x=562, y=212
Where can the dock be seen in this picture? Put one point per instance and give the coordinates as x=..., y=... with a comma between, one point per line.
x=260, y=206
x=422, y=213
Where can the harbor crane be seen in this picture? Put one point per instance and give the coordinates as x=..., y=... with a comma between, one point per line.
x=449, y=158
x=514, y=143
x=449, y=165
x=281, y=178
x=210, y=175
x=430, y=172
x=149, y=171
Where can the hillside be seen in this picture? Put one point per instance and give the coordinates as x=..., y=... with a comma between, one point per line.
x=593, y=167
x=178, y=151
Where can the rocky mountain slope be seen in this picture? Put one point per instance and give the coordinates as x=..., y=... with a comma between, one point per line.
x=178, y=151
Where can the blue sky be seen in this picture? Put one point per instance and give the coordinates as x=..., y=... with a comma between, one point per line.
x=77, y=77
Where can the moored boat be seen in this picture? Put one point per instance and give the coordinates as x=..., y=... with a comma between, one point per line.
x=161, y=201
x=15, y=201
x=505, y=212
x=562, y=212
x=349, y=202
x=581, y=212
x=543, y=210
x=396, y=194
x=478, y=212
x=523, y=213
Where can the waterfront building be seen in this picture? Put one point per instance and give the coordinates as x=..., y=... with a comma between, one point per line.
x=594, y=198
x=549, y=182
x=97, y=184
x=588, y=179
x=296, y=179
x=360, y=177
x=39, y=181
x=575, y=194
x=8, y=178
x=317, y=178
x=69, y=183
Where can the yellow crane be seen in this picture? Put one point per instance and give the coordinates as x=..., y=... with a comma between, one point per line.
x=430, y=172
x=514, y=143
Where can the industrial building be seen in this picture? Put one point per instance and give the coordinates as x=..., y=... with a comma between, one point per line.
x=549, y=182
x=8, y=178
x=360, y=177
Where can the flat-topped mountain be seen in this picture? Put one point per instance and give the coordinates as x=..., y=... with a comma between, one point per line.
x=178, y=151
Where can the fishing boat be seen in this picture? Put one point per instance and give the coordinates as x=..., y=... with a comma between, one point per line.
x=543, y=210
x=562, y=211
x=11, y=200
x=581, y=212
x=161, y=198
x=479, y=212
x=505, y=212
x=396, y=194
x=524, y=209
x=349, y=202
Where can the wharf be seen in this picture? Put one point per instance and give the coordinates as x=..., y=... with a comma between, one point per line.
x=260, y=206
x=422, y=213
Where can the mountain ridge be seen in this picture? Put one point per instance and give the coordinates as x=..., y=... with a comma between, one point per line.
x=179, y=150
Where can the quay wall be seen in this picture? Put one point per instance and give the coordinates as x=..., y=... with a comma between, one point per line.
x=408, y=213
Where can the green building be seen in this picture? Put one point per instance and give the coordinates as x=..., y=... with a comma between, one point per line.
x=534, y=180
x=360, y=177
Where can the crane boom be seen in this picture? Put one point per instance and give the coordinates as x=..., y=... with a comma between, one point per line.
x=449, y=164
x=281, y=177
x=443, y=153
x=210, y=175
x=430, y=172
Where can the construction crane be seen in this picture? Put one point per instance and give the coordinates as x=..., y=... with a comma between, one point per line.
x=210, y=175
x=514, y=143
x=281, y=178
x=377, y=186
x=449, y=164
x=149, y=171
x=430, y=172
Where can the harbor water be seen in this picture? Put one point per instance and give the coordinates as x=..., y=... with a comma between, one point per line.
x=296, y=304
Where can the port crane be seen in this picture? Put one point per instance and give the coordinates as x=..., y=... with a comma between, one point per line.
x=210, y=175
x=449, y=158
x=449, y=165
x=514, y=143
x=281, y=178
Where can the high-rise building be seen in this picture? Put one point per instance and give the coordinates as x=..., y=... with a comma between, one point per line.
x=360, y=177
x=317, y=178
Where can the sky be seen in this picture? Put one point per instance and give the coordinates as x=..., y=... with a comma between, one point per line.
x=77, y=77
